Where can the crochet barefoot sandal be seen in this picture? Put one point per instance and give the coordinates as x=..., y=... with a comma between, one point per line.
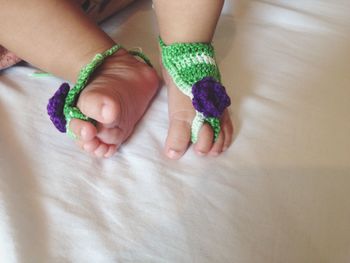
x=62, y=106
x=193, y=69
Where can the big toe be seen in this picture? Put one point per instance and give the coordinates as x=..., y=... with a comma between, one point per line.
x=178, y=139
x=100, y=105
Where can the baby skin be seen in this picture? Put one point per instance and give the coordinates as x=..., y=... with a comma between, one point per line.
x=116, y=97
x=121, y=89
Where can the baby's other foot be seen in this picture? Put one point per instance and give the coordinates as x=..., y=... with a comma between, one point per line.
x=181, y=114
x=116, y=97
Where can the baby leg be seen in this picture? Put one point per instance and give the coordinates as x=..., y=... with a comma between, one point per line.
x=97, y=10
x=57, y=37
x=186, y=21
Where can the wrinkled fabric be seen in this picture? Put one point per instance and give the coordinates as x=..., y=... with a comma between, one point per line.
x=279, y=194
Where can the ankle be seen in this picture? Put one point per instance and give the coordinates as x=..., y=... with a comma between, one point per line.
x=84, y=58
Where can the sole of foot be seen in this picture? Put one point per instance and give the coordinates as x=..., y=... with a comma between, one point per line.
x=117, y=96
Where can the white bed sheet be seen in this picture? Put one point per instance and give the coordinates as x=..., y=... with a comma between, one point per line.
x=280, y=193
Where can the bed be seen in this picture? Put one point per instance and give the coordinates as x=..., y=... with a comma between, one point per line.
x=280, y=194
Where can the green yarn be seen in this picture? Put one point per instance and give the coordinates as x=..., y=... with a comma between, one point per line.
x=188, y=63
x=70, y=110
x=142, y=56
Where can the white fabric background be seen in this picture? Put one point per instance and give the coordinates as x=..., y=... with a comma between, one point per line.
x=280, y=193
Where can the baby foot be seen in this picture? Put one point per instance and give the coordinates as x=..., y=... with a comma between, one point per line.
x=181, y=114
x=116, y=97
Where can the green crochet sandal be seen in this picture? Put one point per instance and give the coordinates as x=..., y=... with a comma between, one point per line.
x=62, y=106
x=193, y=69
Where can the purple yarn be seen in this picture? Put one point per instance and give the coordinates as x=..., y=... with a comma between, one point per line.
x=55, y=107
x=210, y=97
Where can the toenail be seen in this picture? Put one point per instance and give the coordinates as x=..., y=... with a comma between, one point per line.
x=83, y=132
x=201, y=153
x=215, y=153
x=173, y=154
x=225, y=148
x=105, y=112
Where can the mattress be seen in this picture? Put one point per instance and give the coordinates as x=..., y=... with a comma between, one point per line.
x=279, y=194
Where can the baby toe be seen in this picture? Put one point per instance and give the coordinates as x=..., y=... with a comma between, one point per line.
x=228, y=130
x=84, y=130
x=218, y=145
x=101, y=150
x=110, y=135
x=111, y=150
x=205, y=140
x=99, y=104
x=178, y=138
x=90, y=146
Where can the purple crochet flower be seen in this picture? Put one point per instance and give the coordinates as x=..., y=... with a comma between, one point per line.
x=55, y=107
x=210, y=97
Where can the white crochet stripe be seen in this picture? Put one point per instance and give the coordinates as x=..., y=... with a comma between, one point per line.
x=186, y=89
x=189, y=60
